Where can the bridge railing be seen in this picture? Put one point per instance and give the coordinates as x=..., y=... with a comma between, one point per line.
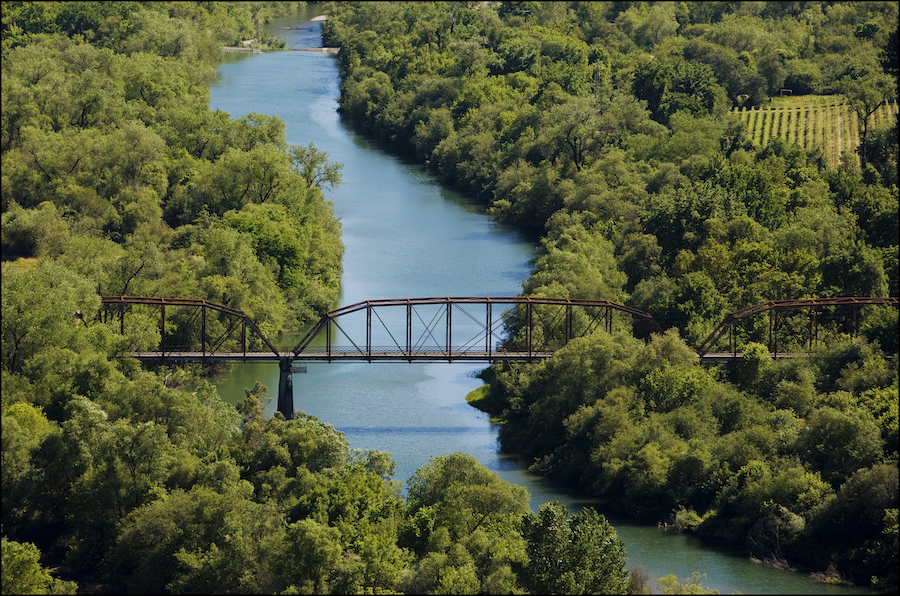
x=209, y=343
x=465, y=325
x=776, y=310
x=419, y=354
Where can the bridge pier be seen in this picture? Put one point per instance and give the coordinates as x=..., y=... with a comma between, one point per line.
x=286, y=388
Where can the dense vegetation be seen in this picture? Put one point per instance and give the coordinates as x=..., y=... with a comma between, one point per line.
x=115, y=167
x=602, y=127
x=117, y=178
x=607, y=129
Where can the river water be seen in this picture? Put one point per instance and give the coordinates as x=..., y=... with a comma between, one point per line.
x=407, y=237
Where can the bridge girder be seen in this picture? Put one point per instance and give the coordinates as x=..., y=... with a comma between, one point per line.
x=532, y=317
x=479, y=340
x=774, y=306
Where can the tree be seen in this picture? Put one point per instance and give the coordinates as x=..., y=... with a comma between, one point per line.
x=313, y=166
x=694, y=585
x=668, y=88
x=573, y=555
x=866, y=91
x=840, y=443
x=200, y=540
x=40, y=308
x=578, y=263
x=461, y=495
x=311, y=553
x=852, y=268
x=583, y=126
x=23, y=574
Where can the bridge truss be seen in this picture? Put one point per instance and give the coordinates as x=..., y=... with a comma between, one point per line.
x=214, y=333
x=410, y=329
x=460, y=328
x=485, y=329
x=778, y=310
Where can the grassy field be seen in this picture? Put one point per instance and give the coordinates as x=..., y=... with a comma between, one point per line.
x=822, y=121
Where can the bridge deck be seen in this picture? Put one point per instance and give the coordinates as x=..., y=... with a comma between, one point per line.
x=347, y=355
x=381, y=355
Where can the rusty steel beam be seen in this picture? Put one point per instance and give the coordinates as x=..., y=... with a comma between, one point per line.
x=773, y=306
x=448, y=302
x=203, y=304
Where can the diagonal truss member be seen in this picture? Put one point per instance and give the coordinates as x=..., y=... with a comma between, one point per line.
x=436, y=344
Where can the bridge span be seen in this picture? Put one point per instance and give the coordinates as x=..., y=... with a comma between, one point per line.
x=437, y=329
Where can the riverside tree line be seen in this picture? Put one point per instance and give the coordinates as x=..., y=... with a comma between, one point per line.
x=602, y=128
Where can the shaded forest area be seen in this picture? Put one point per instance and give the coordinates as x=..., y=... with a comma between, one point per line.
x=603, y=128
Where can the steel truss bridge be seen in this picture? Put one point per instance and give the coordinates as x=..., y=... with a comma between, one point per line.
x=444, y=329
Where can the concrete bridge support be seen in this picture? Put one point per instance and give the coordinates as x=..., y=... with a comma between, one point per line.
x=286, y=388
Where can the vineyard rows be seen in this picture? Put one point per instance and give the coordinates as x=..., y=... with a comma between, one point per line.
x=819, y=122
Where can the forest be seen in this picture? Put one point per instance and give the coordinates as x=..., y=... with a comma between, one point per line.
x=608, y=132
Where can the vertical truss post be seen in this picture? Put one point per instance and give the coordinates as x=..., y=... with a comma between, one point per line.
x=203, y=329
x=609, y=320
x=487, y=327
x=328, y=339
x=122, y=318
x=244, y=336
x=449, y=332
x=732, y=344
x=775, y=333
x=369, y=331
x=815, y=328
x=162, y=327
x=528, y=329
x=812, y=324
x=568, y=323
x=855, y=320
x=409, y=331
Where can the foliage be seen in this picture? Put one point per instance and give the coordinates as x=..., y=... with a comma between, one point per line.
x=111, y=156
x=577, y=555
x=669, y=585
x=22, y=573
x=602, y=128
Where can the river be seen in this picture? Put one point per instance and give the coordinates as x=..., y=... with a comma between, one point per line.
x=407, y=237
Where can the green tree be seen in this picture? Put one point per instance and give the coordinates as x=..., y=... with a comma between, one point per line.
x=866, y=91
x=583, y=126
x=23, y=574
x=573, y=555
x=310, y=557
x=456, y=492
x=669, y=584
x=840, y=443
x=199, y=540
x=313, y=166
x=40, y=308
x=669, y=88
